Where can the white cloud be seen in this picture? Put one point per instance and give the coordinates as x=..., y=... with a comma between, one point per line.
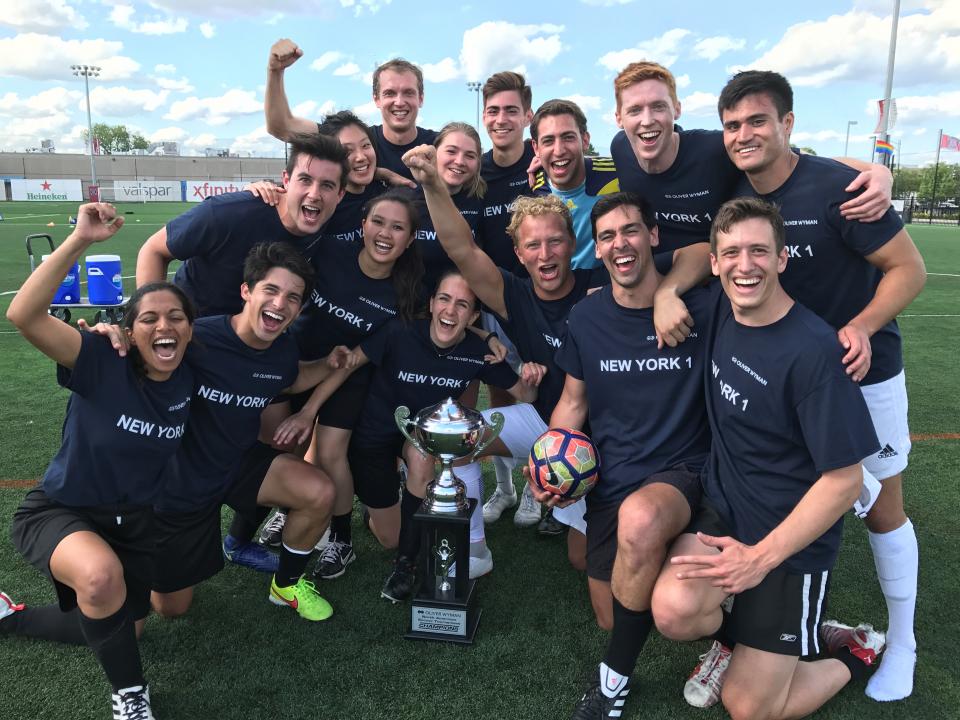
x=41, y=15
x=586, y=102
x=208, y=30
x=312, y=109
x=443, y=71
x=19, y=56
x=361, y=6
x=257, y=141
x=121, y=101
x=347, y=70
x=565, y=81
x=168, y=134
x=215, y=110
x=167, y=69
x=368, y=112
x=822, y=136
x=664, y=50
x=182, y=85
x=699, y=103
x=43, y=104
x=923, y=109
x=713, y=47
x=853, y=46
x=682, y=80
x=325, y=60
x=493, y=46
x=200, y=142
x=21, y=133
x=122, y=17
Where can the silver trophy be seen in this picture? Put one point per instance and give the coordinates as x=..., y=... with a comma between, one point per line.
x=445, y=555
x=448, y=431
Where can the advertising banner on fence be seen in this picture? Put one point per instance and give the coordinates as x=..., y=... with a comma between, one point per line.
x=46, y=190
x=147, y=191
x=199, y=190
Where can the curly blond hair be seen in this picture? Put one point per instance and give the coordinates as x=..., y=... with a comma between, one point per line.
x=525, y=206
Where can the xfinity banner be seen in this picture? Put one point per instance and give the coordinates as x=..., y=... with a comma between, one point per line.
x=147, y=191
x=198, y=191
x=46, y=190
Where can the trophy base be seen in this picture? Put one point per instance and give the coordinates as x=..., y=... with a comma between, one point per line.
x=445, y=621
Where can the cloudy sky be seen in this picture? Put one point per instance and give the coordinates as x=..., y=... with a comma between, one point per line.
x=194, y=72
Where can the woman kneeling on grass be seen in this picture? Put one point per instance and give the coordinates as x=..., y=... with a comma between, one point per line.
x=88, y=525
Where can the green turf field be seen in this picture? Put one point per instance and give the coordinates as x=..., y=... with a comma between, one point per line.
x=237, y=656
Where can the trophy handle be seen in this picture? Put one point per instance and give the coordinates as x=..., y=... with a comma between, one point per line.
x=401, y=417
x=495, y=426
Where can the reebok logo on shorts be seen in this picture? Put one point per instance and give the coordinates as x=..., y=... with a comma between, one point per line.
x=787, y=637
x=887, y=452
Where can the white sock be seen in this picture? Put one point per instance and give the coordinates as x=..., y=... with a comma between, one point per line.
x=612, y=683
x=470, y=474
x=503, y=467
x=897, y=559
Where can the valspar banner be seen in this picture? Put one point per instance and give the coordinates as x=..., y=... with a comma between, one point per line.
x=58, y=189
x=147, y=191
x=200, y=190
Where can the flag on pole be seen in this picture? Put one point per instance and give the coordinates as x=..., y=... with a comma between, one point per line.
x=883, y=110
x=948, y=142
x=883, y=147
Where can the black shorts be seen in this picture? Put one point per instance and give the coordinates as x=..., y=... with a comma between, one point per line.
x=376, y=481
x=601, y=519
x=343, y=408
x=188, y=548
x=782, y=614
x=248, y=477
x=40, y=524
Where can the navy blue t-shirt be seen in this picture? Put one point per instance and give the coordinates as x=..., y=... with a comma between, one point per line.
x=686, y=196
x=645, y=405
x=234, y=383
x=783, y=412
x=346, y=306
x=390, y=156
x=435, y=259
x=504, y=185
x=537, y=327
x=412, y=371
x=826, y=266
x=214, y=238
x=345, y=225
x=120, y=430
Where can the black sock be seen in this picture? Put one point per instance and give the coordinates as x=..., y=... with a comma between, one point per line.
x=243, y=527
x=859, y=670
x=114, y=641
x=723, y=632
x=340, y=528
x=408, y=544
x=291, y=566
x=630, y=631
x=47, y=622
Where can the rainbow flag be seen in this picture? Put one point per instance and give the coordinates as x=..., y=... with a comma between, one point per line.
x=883, y=147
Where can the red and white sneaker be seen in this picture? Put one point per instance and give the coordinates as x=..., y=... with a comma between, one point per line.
x=8, y=606
x=703, y=687
x=863, y=642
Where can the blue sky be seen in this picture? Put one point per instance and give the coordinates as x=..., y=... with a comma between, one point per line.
x=193, y=72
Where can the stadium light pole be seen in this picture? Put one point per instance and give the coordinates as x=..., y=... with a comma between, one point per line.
x=475, y=87
x=846, y=143
x=86, y=71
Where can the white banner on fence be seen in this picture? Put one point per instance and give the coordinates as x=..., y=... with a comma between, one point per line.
x=146, y=191
x=59, y=189
x=198, y=191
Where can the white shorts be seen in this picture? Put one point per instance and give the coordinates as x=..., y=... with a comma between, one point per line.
x=887, y=402
x=522, y=425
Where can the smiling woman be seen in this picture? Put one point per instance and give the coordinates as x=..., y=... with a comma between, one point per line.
x=88, y=525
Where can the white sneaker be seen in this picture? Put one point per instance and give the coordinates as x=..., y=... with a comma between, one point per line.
x=132, y=703
x=528, y=514
x=323, y=541
x=8, y=606
x=481, y=561
x=703, y=687
x=272, y=531
x=498, y=502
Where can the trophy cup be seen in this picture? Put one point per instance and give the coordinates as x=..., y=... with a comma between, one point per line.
x=444, y=607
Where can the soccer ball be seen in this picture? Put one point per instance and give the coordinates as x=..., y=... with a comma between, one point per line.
x=564, y=462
